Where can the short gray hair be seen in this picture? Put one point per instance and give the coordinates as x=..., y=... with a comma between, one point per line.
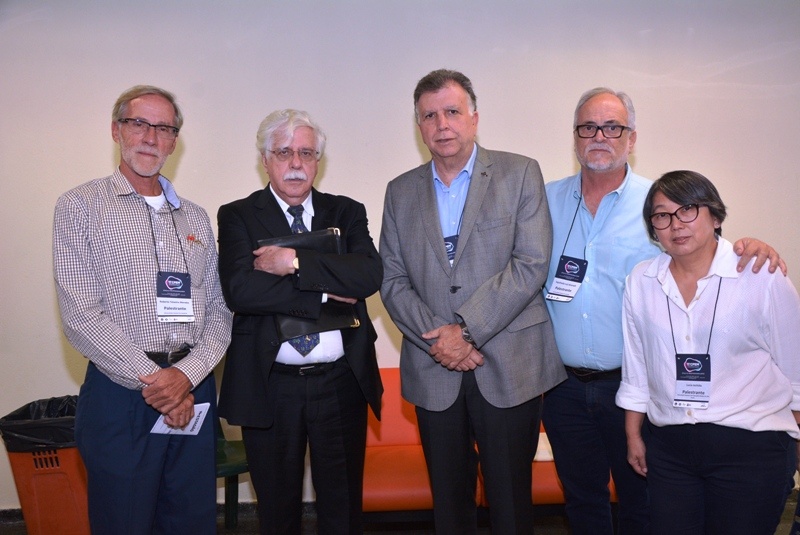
x=279, y=127
x=623, y=97
x=121, y=105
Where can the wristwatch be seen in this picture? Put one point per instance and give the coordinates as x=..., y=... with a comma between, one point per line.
x=465, y=333
x=296, y=263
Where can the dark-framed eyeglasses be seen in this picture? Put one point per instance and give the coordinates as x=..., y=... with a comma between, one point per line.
x=285, y=154
x=685, y=214
x=610, y=131
x=140, y=128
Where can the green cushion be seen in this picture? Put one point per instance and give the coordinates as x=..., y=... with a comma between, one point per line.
x=231, y=459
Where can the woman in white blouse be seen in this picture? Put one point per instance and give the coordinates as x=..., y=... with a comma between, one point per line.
x=711, y=358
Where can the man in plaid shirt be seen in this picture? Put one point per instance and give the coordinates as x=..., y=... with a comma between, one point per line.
x=136, y=275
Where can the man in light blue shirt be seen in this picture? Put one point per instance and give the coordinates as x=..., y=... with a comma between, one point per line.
x=450, y=200
x=612, y=241
x=598, y=237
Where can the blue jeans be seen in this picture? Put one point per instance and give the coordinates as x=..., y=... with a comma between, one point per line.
x=587, y=433
x=722, y=480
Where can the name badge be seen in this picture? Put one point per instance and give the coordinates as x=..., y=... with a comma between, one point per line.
x=450, y=245
x=174, y=297
x=569, y=277
x=693, y=380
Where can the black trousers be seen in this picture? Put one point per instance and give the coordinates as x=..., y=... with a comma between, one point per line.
x=506, y=439
x=327, y=413
x=711, y=479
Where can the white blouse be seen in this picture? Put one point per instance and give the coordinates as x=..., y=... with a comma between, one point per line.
x=755, y=344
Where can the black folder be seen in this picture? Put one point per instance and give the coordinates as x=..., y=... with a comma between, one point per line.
x=334, y=315
x=327, y=240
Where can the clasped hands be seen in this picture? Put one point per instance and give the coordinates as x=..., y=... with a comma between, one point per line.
x=451, y=350
x=169, y=392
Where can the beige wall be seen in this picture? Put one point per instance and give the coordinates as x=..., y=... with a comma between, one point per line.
x=716, y=85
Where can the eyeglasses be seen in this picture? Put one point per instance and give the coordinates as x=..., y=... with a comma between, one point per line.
x=685, y=214
x=286, y=154
x=140, y=128
x=610, y=131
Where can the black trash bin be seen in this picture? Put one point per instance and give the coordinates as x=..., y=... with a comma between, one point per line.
x=48, y=470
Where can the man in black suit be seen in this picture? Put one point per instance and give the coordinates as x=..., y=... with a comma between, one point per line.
x=311, y=391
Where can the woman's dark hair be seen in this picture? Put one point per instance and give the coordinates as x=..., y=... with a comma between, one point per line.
x=682, y=188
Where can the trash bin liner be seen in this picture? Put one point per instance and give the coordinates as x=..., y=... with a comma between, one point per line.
x=44, y=424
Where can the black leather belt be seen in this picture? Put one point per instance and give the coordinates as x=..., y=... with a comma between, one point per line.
x=168, y=359
x=587, y=375
x=303, y=369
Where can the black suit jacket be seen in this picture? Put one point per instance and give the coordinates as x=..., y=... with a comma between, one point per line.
x=255, y=296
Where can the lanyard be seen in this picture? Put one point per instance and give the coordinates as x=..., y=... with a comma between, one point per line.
x=460, y=220
x=713, y=318
x=175, y=229
x=569, y=233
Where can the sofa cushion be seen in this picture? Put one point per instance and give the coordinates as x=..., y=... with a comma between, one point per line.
x=396, y=479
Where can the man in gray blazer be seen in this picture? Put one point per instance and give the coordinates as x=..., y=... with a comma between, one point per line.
x=465, y=244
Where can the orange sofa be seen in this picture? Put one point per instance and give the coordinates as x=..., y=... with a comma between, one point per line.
x=395, y=477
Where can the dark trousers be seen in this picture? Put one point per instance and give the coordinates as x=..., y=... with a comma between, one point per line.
x=140, y=483
x=710, y=479
x=328, y=413
x=586, y=430
x=506, y=439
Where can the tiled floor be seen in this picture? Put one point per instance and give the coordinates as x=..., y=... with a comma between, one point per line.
x=11, y=524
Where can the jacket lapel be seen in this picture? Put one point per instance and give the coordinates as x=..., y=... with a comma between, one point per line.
x=268, y=212
x=323, y=214
x=479, y=184
x=429, y=212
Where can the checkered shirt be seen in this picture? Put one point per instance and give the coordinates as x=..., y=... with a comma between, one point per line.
x=105, y=268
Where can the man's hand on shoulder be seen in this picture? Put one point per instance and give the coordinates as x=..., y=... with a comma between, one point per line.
x=166, y=389
x=747, y=248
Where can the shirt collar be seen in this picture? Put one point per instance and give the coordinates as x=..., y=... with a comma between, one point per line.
x=576, y=187
x=723, y=265
x=169, y=192
x=307, y=205
x=470, y=165
x=123, y=187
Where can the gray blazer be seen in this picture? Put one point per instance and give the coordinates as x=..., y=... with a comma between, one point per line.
x=494, y=284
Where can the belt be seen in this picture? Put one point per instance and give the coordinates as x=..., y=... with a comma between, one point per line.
x=168, y=359
x=303, y=369
x=587, y=375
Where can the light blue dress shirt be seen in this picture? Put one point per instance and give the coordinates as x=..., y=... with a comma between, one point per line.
x=450, y=200
x=588, y=329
